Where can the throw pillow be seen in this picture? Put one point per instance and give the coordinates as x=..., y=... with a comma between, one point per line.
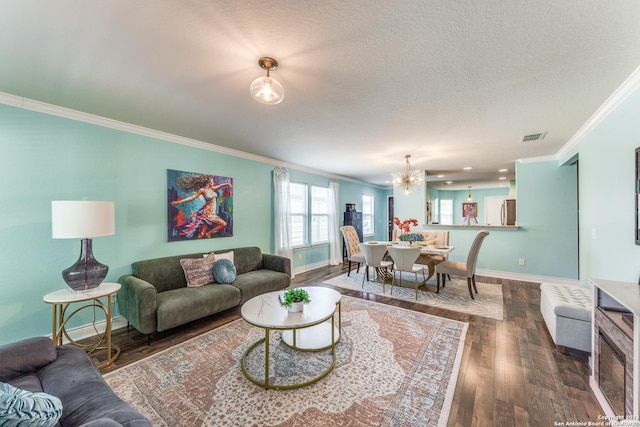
x=224, y=271
x=198, y=271
x=224, y=255
x=24, y=408
x=431, y=242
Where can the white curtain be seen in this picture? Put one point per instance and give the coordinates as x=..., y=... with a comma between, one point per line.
x=335, y=248
x=282, y=214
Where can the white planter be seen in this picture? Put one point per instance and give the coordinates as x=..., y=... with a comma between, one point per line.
x=404, y=243
x=296, y=307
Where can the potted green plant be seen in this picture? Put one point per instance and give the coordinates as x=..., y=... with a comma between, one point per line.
x=295, y=298
x=405, y=239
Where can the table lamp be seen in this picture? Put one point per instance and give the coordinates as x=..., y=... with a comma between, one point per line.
x=83, y=220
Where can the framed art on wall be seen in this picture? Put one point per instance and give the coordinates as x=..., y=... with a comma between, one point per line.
x=200, y=206
x=469, y=210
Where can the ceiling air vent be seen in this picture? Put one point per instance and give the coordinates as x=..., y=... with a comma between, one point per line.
x=534, y=137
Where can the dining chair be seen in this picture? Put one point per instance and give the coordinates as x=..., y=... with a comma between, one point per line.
x=404, y=259
x=458, y=268
x=374, y=257
x=351, y=242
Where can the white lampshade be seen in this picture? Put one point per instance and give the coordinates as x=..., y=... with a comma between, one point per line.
x=267, y=90
x=82, y=219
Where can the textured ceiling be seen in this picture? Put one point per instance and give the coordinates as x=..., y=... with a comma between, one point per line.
x=453, y=83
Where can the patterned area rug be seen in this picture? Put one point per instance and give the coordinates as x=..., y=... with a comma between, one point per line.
x=488, y=301
x=394, y=367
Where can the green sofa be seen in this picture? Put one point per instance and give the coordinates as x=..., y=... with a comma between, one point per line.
x=155, y=297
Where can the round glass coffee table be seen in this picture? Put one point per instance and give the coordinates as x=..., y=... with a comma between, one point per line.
x=313, y=329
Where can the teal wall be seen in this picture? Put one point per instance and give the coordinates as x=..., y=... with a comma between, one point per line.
x=48, y=158
x=547, y=238
x=607, y=210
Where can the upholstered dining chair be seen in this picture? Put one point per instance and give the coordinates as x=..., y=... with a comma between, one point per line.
x=374, y=257
x=458, y=268
x=404, y=259
x=351, y=242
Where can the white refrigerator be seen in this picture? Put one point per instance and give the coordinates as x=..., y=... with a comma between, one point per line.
x=508, y=212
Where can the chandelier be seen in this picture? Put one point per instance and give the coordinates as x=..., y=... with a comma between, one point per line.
x=408, y=179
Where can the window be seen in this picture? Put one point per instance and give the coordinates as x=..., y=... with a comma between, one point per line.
x=446, y=211
x=319, y=215
x=367, y=215
x=298, y=200
x=309, y=229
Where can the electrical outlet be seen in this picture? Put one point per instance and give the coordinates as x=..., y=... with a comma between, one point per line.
x=299, y=256
x=115, y=298
x=522, y=261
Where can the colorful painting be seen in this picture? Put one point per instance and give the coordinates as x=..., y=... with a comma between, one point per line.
x=469, y=210
x=200, y=206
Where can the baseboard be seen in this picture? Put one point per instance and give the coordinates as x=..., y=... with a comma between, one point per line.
x=527, y=277
x=308, y=267
x=93, y=329
x=488, y=273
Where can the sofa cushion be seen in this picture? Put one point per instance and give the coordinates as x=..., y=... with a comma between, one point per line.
x=25, y=408
x=198, y=271
x=247, y=259
x=25, y=356
x=179, y=306
x=259, y=282
x=221, y=255
x=163, y=273
x=224, y=271
x=84, y=394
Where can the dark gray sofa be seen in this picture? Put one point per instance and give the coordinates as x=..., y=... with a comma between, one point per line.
x=155, y=297
x=36, y=365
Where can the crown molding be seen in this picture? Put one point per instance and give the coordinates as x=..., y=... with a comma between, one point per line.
x=67, y=113
x=538, y=159
x=628, y=87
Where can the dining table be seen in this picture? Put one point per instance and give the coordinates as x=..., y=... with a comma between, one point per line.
x=426, y=255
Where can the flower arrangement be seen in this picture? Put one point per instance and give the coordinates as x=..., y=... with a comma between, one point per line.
x=405, y=227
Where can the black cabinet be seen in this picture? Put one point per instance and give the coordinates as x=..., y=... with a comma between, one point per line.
x=355, y=219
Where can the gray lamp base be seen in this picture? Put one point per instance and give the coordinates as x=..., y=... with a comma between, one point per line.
x=87, y=272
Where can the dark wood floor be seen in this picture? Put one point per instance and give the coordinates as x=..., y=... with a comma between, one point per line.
x=510, y=375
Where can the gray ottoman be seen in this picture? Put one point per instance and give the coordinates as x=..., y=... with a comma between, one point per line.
x=567, y=312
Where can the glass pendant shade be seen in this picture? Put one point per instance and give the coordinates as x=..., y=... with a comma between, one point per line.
x=267, y=90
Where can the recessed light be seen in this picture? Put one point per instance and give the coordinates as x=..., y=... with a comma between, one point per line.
x=503, y=170
x=502, y=177
x=440, y=176
x=449, y=182
x=467, y=168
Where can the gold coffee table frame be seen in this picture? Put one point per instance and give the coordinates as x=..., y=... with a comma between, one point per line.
x=296, y=336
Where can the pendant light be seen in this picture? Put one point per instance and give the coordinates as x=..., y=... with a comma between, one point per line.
x=469, y=199
x=267, y=90
x=408, y=179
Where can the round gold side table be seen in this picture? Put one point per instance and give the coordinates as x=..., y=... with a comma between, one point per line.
x=61, y=302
